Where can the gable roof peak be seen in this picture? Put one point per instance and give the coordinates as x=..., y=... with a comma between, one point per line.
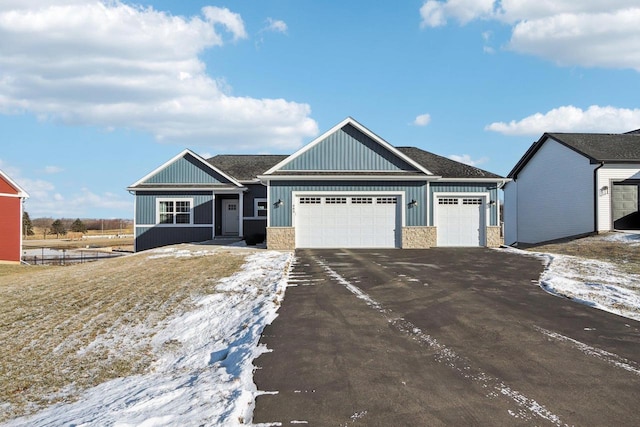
x=20, y=191
x=350, y=121
x=182, y=154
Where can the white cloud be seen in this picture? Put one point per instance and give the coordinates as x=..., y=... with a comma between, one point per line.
x=586, y=33
x=572, y=119
x=610, y=39
x=422, y=120
x=276, y=26
x=108, y=64
x=45, y=201
x=435, y=13
x=467, y=160
x=52, y=169
x=231, y=21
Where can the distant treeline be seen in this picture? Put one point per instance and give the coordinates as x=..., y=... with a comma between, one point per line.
x=89, y=223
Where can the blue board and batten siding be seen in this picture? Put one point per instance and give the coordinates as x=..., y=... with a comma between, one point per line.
x=457, y=187
x=186, y=170
x=282, y=190
x=150, y=235
x=146, y=205
x=347, y=149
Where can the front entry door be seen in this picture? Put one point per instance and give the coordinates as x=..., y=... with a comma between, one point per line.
x=230, y=216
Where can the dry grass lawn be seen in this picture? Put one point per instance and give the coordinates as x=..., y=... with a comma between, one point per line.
x=624, y=255
x=64, y=329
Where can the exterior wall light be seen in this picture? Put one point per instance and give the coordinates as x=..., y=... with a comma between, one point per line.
x=278, y=203
x=413, y=203
x=604, y=190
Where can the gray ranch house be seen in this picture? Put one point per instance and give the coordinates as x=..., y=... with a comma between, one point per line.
x=348, y=188
x=573, y=184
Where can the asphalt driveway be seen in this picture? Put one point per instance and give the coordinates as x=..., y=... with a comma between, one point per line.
x=441, y=337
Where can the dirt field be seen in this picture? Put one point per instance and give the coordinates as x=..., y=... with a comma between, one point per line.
x=63, y=329
x=93, y=238
x=602, y=247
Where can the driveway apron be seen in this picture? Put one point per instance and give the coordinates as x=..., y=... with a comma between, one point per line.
x=441, y=337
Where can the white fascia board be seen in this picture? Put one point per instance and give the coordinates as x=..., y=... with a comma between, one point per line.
x=216, y=190
x=176, y=157
x=266, y=178
x=361, y=128
x=472, y=180
x=20, y=191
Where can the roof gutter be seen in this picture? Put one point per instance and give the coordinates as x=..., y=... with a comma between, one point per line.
x=596, y=193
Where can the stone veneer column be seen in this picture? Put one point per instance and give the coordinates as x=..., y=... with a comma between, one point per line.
x=493, y=237
x=419, y=237
x=281, y=238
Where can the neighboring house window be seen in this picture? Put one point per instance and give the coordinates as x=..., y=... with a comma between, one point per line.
x=260, y=207
x=174, y=211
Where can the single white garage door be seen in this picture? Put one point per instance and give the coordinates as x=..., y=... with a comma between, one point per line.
x=460, y=221
x=343, y=221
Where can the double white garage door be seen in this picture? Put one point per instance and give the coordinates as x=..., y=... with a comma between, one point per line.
x=340, y=221
x=375, y=221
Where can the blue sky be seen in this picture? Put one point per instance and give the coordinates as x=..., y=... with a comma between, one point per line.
x=96, y=94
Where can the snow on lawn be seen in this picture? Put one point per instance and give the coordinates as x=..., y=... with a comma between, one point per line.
x=203, y=373
x=599, y=284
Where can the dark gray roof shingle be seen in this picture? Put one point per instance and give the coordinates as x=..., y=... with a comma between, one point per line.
x=603, y=146
x=248, y=167
x=444, y=167
x=245, y=167
x=597, y=147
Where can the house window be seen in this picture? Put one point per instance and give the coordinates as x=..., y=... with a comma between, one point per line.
x=176, y=211
x=447, y=201
x=361, y=200
x=471, y=201
x=260, y=207
x=386, y=200
x=310, y=200
x=335, y=200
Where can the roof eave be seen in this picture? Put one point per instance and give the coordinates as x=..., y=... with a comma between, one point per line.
x=347, y=177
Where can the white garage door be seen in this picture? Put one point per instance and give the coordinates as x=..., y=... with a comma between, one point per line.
x=343, y=221
x=460, y=221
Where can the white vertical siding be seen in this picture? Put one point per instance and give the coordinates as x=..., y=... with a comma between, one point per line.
x=555, y=195
x=608, y=174
x=511, y=213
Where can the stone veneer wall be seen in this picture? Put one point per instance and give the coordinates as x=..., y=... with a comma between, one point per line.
x=493, y=237
x=419, y=237
x=281, y=238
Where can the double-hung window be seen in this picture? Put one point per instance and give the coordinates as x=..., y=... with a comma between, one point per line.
x=174, y=211
x=260, y=207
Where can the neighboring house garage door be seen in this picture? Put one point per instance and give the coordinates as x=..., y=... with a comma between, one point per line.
x=460, y=221
x=624, y=207
x=343, y=221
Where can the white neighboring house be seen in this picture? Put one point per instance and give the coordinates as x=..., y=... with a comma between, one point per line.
x=573, y=184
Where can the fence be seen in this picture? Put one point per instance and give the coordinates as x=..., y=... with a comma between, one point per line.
x=50, y=256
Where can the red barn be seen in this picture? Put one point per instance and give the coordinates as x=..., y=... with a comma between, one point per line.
x=11, y=198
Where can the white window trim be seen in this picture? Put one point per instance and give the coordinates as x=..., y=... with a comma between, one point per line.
x=174, y=199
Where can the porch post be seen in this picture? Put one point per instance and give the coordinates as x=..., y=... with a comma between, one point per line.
x=213, y=215
x=240, y=214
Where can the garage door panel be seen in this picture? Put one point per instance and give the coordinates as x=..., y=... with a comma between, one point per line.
x=460, y=221
x=347, y=222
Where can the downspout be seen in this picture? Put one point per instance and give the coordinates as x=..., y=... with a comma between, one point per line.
x=596, y=194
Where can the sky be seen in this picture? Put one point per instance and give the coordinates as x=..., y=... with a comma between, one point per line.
x=96, y=94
